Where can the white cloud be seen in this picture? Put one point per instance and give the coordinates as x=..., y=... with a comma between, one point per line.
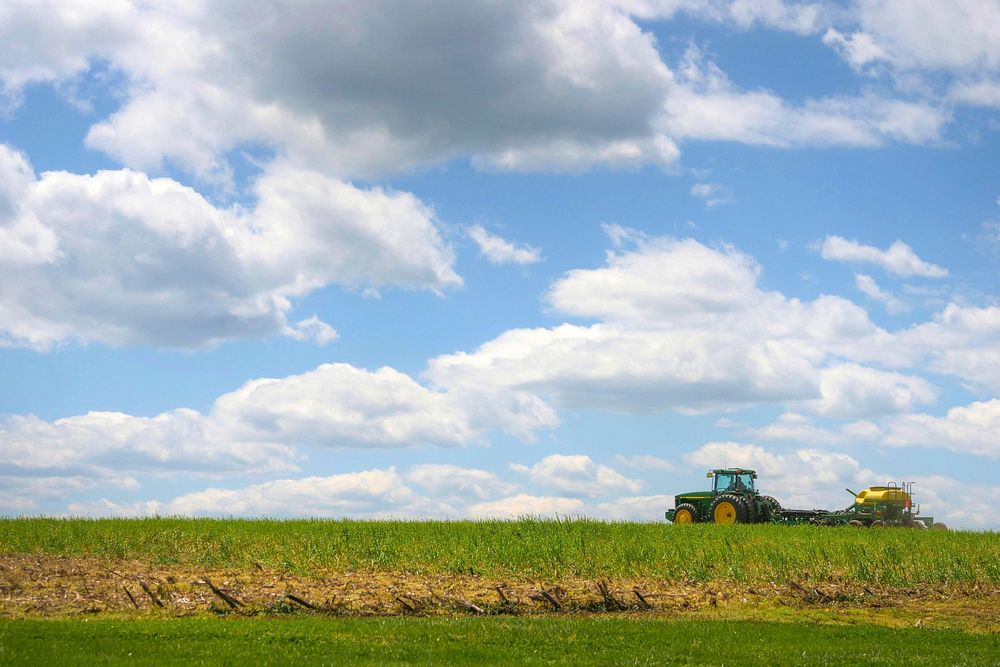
x=801, y=429
x=499, y=251
x=314, y=329
x=451, y=481
x=936, y=494
x=956, y=36
x=683, y=326
x=105, y=444
x=962, y=341
x=852, y=391
x=550, y=85
x=513, y=86
x=49, y=40
x=968, y=429
x=977, y=92
x=899, y=259
x=368, y=494
x=26, y=493
x=577, y=475
x=340, y=405
x=523, y=505
x=257, y=429
x=870, y=288
x=117, y=257
x=705, y=105
x=713, y=194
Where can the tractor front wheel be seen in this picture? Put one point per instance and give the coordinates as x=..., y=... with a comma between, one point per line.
x=729, y=508
x=686, y=513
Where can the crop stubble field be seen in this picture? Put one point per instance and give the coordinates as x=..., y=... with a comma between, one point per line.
x=156, y=575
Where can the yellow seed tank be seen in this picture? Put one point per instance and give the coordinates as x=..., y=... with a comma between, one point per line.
x=882, y=494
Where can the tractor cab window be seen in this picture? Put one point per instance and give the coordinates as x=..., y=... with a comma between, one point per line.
x=728, y=482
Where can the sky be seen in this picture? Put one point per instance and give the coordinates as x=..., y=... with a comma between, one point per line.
x=452, y=259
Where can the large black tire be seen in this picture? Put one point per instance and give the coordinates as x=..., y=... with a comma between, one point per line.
x=690, y=509
x=729, y=508
x=770, y=508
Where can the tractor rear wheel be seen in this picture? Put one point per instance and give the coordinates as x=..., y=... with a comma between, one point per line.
x=686, y=513
x=729, y=508
x=939, y=525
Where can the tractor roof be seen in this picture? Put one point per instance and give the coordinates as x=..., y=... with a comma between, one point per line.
x=738, y=471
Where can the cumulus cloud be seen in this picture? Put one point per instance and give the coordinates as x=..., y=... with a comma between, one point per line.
x=103, y=444
x=368, y=494
x=947, y=49
x=25, y=494
x=513, y=86
x=259, y=428
x=451, y=481
x=969, y=429
x=682, y=327
x=936, y=494
x=801, y=429
x=499, y=251
x=523, y=505
x=49, y=40
x=577, y=475
x=121, y=258
x=958, y=36
x=870, y=288
x=961, y=341
x=551, y=85
x=898, y=259
x=706, y=105
x=977, y=92
x=850, y=391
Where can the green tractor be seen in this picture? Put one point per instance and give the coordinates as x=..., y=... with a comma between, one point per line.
x=732, y=499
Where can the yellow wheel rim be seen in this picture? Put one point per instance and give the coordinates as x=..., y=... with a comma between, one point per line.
x=683, y=516
x=725, y=512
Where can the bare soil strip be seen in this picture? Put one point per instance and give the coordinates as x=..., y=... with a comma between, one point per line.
x=48, y=586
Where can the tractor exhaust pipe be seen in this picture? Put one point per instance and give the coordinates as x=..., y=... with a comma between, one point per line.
x=851, y=492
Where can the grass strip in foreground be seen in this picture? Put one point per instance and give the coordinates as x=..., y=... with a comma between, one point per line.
x=513, y=641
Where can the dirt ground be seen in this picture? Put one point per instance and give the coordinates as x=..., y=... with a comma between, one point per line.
x=47, y=586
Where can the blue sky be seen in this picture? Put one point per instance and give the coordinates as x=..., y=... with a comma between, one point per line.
x=489, y=259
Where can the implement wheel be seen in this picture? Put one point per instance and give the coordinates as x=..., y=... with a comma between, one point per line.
x=686, y=513
x=771, y=508
x=729, y=508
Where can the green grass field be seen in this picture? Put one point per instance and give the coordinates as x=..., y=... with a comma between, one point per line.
x=933, y=601
x=507, y=641
x=894, y=557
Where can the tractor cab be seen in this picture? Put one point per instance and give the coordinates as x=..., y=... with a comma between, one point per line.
x=733, y=480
